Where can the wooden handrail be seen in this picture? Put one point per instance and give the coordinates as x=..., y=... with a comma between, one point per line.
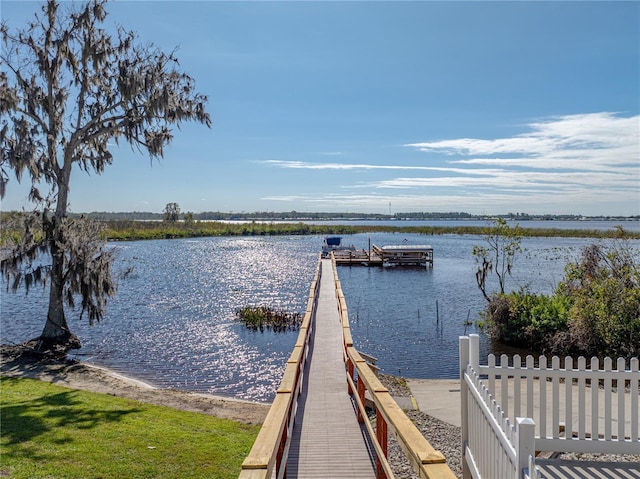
x=269, y=451
x=426, y=461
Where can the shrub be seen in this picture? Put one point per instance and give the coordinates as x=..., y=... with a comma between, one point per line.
x=595, y=311
x=527, y=319
x=604, y=287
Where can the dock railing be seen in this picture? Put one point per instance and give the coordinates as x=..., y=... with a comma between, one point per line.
x=268, y=456
x=427, y=462
x=576, y=408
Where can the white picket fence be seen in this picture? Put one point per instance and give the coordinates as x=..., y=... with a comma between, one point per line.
x=577, y=410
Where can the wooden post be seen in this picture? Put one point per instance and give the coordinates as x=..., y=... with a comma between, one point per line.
x=382, y=436
x=350, y=371
x=362, y=399
x=280, y=464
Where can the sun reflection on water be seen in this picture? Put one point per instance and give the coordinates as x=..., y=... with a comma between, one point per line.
x=172, y=322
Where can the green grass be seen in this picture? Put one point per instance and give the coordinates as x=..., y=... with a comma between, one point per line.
x=50, y=432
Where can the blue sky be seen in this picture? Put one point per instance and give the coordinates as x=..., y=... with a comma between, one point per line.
x=482, y=107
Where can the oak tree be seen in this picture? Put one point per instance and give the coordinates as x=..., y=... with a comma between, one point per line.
x=70, y=92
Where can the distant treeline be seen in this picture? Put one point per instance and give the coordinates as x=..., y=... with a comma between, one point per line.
x=136, y=229
x=309, y=216
x=123, y=230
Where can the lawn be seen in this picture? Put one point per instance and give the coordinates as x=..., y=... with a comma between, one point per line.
x=48, y=431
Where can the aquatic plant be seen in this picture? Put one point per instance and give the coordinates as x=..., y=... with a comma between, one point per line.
x=265, y=317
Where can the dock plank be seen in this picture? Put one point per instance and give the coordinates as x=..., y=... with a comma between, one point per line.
x=327, y=441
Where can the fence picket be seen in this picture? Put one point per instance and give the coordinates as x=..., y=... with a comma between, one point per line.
x=542, y=424
x=492, y=374
x=530, y=397
x=582, y=366
x=607, y=400
x=621, y=366
x=555, y=409
x=635, y=367
x=517, y=365
x=504, y=378
x=568, y=398
x=595, y=386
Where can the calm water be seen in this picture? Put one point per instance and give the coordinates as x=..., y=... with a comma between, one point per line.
x=173, y=320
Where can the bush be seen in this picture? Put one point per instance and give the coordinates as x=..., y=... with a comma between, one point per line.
x=595, y=311
x=526, y=319
x=604, y=287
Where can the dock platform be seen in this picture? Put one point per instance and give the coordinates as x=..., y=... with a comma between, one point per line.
x=358, y=257
x=392, y=255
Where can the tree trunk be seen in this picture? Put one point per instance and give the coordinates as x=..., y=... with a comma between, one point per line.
x=56, y=334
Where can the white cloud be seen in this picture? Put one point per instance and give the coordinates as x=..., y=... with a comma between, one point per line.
x=592, y=142
x=583, y=164
x=305, y=165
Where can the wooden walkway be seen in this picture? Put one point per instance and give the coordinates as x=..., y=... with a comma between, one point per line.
x=327, y=441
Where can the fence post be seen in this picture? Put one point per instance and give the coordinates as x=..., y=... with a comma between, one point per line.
x=474, y=352
x=351, y=374
x=464, y=422
x=526, y=444
x=382, y=437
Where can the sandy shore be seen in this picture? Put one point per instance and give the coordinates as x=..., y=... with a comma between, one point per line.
x=16, y=362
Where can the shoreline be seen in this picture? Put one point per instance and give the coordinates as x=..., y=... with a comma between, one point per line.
x=17, y=362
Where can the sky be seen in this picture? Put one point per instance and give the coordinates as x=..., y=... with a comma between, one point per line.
x=386, y=107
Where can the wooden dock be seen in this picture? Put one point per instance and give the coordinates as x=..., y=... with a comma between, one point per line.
x=318, y=426
x=392, y=255
x=327, y=441
x=358, y=257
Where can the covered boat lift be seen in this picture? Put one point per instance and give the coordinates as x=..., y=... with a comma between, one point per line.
x=405, y=254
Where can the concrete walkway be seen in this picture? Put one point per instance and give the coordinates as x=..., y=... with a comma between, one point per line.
x=439, y=398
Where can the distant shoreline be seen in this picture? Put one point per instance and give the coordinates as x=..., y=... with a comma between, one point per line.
x=148, y=226
x=298, y=216
x=127, y=230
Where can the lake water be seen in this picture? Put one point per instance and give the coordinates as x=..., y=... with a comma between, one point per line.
x=173, y=321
